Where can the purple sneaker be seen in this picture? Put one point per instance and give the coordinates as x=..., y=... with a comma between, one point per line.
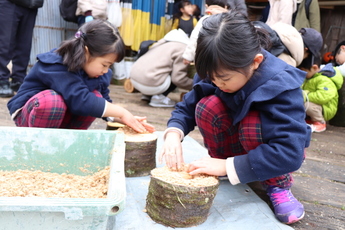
x=286, y=207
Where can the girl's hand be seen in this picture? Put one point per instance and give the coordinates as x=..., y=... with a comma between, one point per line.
x=208, y=165
x=150, y=128
x=134, y=123
x=186, y=62
x=123, y=116
x=172, y=151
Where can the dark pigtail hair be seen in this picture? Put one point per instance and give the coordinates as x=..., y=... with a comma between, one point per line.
x=99, y=36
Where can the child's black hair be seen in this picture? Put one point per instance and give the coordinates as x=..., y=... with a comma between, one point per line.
x=222, y=3
x=229, y=41
x=197, y=12
x=309, y=61
x=337, y=51
x=181, y=5
x=99, y=36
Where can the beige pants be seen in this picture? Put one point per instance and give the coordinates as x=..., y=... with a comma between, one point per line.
x=314, y=111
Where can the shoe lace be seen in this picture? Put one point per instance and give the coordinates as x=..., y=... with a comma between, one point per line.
x=280, y=197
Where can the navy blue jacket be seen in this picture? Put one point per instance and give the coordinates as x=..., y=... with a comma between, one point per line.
x=274, y=90
x=75, y=88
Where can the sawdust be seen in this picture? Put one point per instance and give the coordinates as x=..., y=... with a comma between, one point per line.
x=183, y=178
x=133, y=136
x=26, y=183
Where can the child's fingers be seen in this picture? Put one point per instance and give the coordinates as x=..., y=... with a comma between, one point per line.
x=140, y=118
x=137, y=126
x=179, y=159
x=170, y=159
x=160, y=157
x=150, y=128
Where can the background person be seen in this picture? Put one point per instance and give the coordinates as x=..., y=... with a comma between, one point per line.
x=161, y=70
x=87, y=10
x=307, y=15
x=17, y=24
x=184, y=19
x=281, y=11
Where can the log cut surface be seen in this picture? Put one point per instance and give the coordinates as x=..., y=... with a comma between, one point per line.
x=176, y=200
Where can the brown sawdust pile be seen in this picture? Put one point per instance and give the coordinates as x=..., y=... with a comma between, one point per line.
x=26, y=183
x=183, y=178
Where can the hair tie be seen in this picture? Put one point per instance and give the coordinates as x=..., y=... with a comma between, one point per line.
x=79, y=34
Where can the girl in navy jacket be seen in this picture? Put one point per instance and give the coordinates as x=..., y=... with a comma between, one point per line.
x=68, y=86
x=249, y=109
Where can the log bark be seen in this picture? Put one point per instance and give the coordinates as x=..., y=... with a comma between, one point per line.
x=140, y=154
x=176, y=205
x=140, y=151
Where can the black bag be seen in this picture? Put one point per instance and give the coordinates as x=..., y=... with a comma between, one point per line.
x=31, y=4
x=68, y=9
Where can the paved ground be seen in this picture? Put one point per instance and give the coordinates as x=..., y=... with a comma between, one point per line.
x=319, y=183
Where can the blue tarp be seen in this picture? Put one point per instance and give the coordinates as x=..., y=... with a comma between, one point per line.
x=235, y=207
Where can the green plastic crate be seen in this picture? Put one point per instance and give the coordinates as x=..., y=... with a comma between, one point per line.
x=62, y=151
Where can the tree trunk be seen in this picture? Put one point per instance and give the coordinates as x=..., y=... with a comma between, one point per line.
x=140, y=152
x=140, y=155
x=175, y=205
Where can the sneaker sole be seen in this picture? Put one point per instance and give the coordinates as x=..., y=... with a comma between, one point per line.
x=294, y=219
x=6, y=95
x=319, y=131
x=161, y=106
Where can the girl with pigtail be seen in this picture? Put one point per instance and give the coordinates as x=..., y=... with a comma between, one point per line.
x=68, y=86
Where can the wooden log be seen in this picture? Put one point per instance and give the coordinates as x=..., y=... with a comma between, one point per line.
x=140, y=151
x=129, y=86
x=140, y=154
x=180, y=202
x=191, y=71
x=114, y=125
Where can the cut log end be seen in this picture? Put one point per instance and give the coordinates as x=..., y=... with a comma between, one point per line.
x=114, y=125
x=175, y=205
x=129, y=86
x=140, y=152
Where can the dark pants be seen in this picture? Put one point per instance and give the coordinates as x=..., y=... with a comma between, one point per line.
x=16, y=29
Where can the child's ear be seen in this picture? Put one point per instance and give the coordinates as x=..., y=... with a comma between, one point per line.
x=87, y=52
x=315, y=68
x=257, y=61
